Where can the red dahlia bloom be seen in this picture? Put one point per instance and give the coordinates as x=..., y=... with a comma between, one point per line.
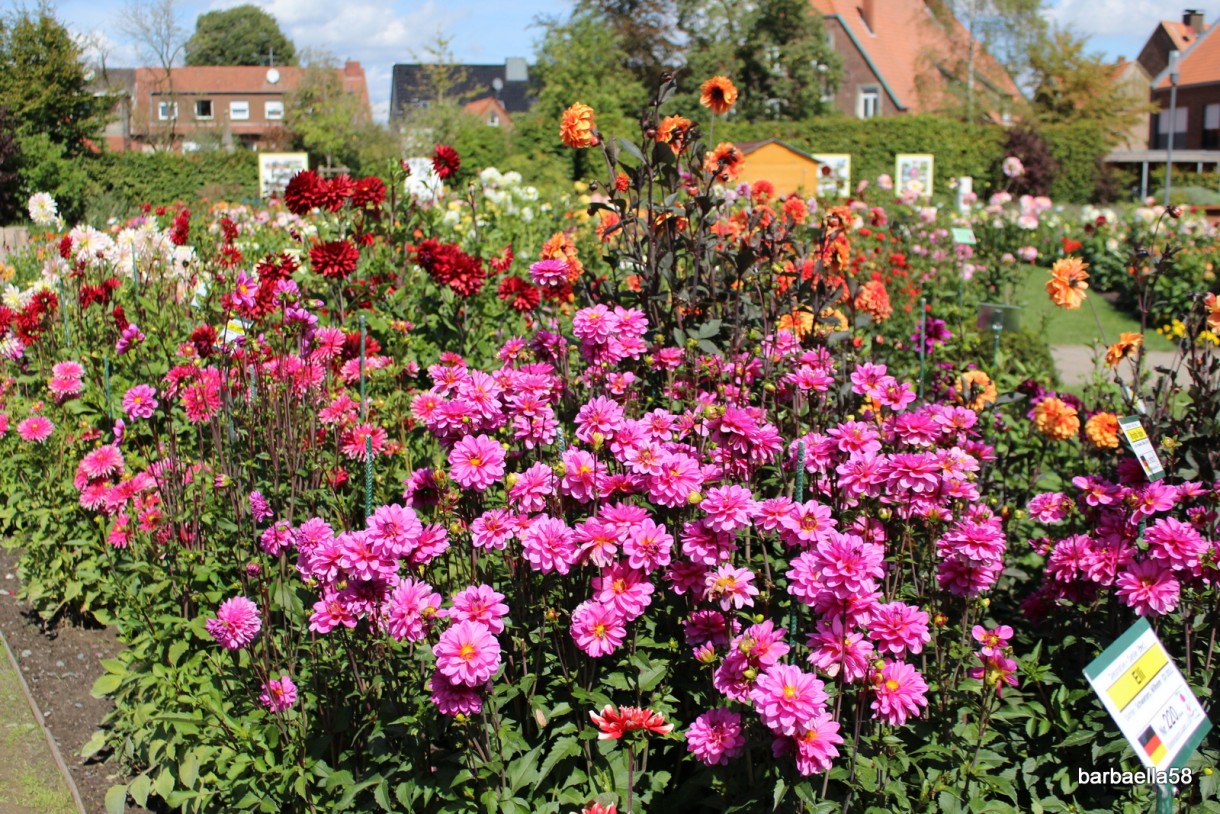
x=519, y=294
x=445, y=161
x=304, y=192
x=336, y=191
x=335, y=260
x=449, y=265
x=616, y=723
x=369, y=193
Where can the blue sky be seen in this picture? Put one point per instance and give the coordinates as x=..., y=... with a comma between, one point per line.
x=382, y=32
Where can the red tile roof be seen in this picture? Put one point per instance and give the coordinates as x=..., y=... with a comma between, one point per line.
x=1199, y=63
x=1181, y=34
x=910, y=46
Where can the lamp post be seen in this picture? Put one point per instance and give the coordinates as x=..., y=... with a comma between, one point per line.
x=1173, y=121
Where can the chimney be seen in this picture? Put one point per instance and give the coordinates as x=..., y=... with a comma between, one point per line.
x=868, y=12
x=1193, y=18
x=516, y=70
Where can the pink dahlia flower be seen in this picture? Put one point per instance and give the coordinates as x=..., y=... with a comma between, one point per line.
x=236, y=624
x=467, y=654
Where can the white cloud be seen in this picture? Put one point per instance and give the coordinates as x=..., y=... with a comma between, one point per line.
x=1129, y=20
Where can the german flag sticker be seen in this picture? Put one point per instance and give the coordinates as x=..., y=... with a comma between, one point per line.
x=1152, y=745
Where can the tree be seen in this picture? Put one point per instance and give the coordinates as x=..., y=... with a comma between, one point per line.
x=646, y=33
x=1006, y=29
x=325, y=118
x=242, y=35
x=10, y=165
x=1072, y=86
x=787, y=68
x=44, y=84
x=153, y=24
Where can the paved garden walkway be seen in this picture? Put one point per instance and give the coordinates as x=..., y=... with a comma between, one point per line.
x=1076, y=363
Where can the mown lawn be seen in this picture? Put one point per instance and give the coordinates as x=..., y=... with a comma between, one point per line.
x=1063, y=327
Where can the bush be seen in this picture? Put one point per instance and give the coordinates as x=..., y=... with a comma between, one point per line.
x=1078, y=148
x=162, y=178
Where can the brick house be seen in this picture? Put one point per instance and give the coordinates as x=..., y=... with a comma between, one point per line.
x=189, y=108
x=905, y=57
x=1195, y=119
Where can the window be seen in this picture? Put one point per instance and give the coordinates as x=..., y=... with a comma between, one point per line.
x=167, y=111
x=493, y=120
x=868, y=102
x=203, y=108
x=274, y=111
x=1211, y=127
x=239, y=111
x=1179, y=129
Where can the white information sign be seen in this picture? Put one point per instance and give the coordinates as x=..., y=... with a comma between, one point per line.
x=1141, y=445
x=1148, y=698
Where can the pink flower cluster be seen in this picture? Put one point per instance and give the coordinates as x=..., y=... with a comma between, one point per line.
x=67, y=381
x=1130, y=543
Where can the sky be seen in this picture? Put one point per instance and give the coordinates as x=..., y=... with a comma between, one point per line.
x=380, y=33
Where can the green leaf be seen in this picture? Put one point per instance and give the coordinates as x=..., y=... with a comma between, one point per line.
x=564, y=748
x=94, y=745
x=105, y=685
x=116, y=799
x=188, y=769
x=139, y=789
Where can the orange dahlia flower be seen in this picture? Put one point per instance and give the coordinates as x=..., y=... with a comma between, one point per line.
x=1067, y=284
x=718, y=94
x=976, y=390
x=1127, y=345
x=1212, y=303
x=1056, y=419
x=606, y=225
x=724, y=162
x=560, y=247
x=874, y=300
x=577, y=128
x=798, y=322
x=674, y=131
x=1102, y=431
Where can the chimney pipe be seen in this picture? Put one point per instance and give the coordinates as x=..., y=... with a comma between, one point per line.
x=868, y=11
x=1194, y=19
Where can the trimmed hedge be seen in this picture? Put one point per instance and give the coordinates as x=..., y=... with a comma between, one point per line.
x=127, y=180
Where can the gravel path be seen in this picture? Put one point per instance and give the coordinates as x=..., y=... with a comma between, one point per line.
x=1075, y=363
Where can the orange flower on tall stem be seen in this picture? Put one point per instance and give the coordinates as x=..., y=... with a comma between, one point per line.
x=674, y=131
x=1056, y=419
x=1102, y=431
x=976, y=390
x=718, y=94
x=577, y=128
x=724, y=162
x=1126, y=346
x=1067, y=284
x=1212, y=304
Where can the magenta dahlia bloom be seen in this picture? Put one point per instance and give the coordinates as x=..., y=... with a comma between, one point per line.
x=716, y=737
x=815, y=747
x=648, y=546
x=35, y=429
x=787, y=699
x=476, y=462
x=394, y=530
x=467, y=654
x=899, y=691
x=838, y=649
x=729, y=508
x=279, y=694
x=412, y=608
x=1049, y=507
x=548, y=273
x=548, y=545
x=64, y=388
x=102, y=462
x=1149, y=588
x=733, y=587
x=597, y=628
x=898, y=628
x=236, y=624
x=140, y=401
x=849, y=565
x=623, y=588
x=482, y=604
x=259, y=508
x=994, y=641
x=493, y=529
x=1178, y=543
x=454, y=699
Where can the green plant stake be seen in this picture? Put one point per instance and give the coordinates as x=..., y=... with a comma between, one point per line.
x=923, y=340
x=63, y=303
x=798, y=494
x=106, y=384
x=364, y=412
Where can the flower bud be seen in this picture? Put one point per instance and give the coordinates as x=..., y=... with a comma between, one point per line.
x=512, y=479
x=598, y=440
x=694, y=498
x=750, y=674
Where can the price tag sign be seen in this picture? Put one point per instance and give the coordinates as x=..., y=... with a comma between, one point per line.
x=1141, y=445
x=1148, y=698
x=964, y=235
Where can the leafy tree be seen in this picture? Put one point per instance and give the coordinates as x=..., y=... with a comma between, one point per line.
x=787, y=68
x=646, y=32
x=44, y=84
x=325, y=118
x=1006, y=29
x=242, y=35
x=10, y=164
x=1072, y=86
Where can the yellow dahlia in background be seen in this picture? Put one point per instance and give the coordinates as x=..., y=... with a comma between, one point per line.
x=577, y=128
x=1127, y=345
x=718, y=94
x=560, y=247
x=1067, y=284
x=1102, y=431
x=1056, y=419
x=976, y=390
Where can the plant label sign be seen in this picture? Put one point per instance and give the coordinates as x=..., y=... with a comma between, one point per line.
x=964, y=236
x=1141, y=445
x=1149, y=699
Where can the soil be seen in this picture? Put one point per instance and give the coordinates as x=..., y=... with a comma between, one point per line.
x=60, y=665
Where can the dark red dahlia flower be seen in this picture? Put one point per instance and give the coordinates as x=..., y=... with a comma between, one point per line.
x=335, y=259
x=446, y=161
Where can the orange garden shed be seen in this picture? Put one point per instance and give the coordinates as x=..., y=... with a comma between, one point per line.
x=789, y=169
